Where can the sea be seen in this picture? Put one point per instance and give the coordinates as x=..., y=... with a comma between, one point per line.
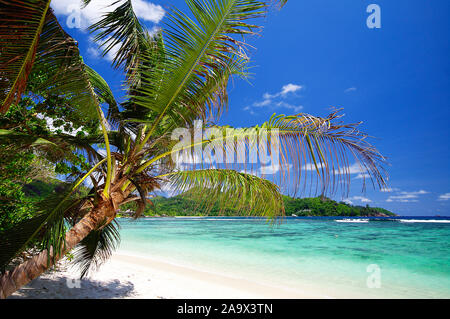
x=401, y=257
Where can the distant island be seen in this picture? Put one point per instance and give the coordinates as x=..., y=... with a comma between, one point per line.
x=316, y=206
x=183, y=206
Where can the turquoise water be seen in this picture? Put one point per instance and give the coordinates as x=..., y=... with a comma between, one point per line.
x=324, y=257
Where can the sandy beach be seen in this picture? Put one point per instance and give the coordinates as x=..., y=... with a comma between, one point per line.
x=126, y=276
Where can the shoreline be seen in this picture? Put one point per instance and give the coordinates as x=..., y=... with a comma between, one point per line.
x=135, y=277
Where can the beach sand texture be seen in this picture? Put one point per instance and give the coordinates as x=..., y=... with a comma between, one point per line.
x=125, y=276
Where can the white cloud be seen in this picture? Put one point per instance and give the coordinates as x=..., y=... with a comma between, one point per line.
x=355, y=168
x=108, y=56
x=401, y=200
x=403, y=196
x=406, y=197
x=262, y=103
x=249, y=109
x=273, y=100
x=267, y=96
x=389, y=189
x=444, y=197
x=285, y=90
x=93, y=53
x=93, y=12
x=361, y=199
x=420, y=192
x=352, y=89
x=290, y=88
x=312, y=167
x=295, y=108
x=272, y=169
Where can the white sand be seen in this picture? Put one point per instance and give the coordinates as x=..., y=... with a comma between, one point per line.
x=135, y=277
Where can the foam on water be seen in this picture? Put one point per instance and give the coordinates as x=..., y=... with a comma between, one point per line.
x=424, y=221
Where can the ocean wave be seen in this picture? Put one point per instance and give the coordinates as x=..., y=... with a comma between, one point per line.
x=424, y=221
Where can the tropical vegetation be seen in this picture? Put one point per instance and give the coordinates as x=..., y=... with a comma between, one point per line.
x=182, y=205
x=172, y=78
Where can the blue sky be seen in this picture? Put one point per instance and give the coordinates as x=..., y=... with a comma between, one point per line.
x=313, y=55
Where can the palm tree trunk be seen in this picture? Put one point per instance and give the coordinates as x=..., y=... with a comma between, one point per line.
x=13, y=280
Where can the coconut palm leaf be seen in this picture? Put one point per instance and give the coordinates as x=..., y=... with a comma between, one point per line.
x=246, y=192
x=49, y=223
x=54, y=146
x=301, y=142
x=17, y=140
x=136, y=50
x=121, y=30
x=201, y=53
x=96, y=248
x=59, y=70
x=102, y=90
x=53, y=61
x=21, y=23
x=49, y=220
x=14, y=239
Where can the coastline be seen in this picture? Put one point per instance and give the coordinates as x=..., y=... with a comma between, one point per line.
x=231, y=260
x=134, y=277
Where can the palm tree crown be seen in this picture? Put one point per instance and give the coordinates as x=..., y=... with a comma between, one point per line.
x=174, y=77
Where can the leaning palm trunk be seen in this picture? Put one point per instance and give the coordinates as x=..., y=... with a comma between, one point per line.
x=104, y=212
x=174, y=78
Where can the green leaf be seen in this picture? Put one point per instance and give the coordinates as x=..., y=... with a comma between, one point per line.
x=21, y=23
x=245, y=192
x=96, y=248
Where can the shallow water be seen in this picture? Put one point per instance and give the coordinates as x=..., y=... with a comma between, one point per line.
x=409, y=259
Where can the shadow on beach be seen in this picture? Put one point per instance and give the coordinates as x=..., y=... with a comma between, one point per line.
x=67, y=288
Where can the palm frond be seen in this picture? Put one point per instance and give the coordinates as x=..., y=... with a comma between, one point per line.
x=292, y=147
x=136, y=50
x=202, y=54
x=59, y=70
x=21, y=23
x=245, y=192
x=50, y=220
x=121, y=30
x=53, y=146
x=18, y=140
x=47, y=225
x=328, y=144
x=96, y=248
x=102, y=90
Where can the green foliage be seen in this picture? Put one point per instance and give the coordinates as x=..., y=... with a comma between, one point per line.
x=14, y=206
x=184, y=205
x=96, y=248
x=319, y=206
x=246, y=193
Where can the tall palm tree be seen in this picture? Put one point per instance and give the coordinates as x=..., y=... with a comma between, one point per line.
x=173, y=78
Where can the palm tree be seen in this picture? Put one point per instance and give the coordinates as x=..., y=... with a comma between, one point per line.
x=173, y=78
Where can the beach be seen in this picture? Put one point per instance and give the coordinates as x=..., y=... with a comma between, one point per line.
x=132, y=277
x=247, y=258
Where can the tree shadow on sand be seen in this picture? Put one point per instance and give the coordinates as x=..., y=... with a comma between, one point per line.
x=68, y=288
